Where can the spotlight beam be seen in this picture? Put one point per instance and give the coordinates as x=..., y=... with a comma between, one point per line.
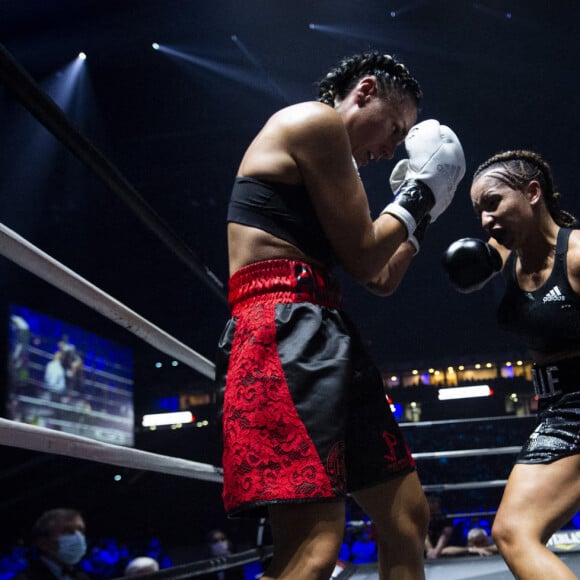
x=40, y=105
x=221, y=69
x=62, y=87
x=408, y=47
x=258, y=65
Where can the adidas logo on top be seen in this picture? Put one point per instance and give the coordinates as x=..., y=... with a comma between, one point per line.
x=554, y=295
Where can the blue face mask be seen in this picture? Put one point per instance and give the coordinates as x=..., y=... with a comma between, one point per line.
x=220, y=548
x=71, y=548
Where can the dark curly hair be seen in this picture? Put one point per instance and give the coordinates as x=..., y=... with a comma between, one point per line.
x=517, y=168
x=392, y=77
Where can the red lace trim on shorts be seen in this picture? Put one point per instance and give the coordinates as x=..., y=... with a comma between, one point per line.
x=268, y=455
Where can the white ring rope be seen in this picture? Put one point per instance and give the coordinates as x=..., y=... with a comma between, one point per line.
x=36, y=438
x=467, y=420
x=467, y=452
x=26, y=436
x=28, y=256
x=465, y=485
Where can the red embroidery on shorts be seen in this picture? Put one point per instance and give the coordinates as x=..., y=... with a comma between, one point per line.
x=268, y=454
x=410, y=457
x=391, y=442
x=335, y=467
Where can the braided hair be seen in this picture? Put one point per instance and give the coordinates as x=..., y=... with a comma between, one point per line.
x=392, y=77
x=517, y=168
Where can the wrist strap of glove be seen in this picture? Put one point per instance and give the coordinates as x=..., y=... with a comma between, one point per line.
x=416, y=239
x=403, y=216
x=414, y=242
x=412, y=203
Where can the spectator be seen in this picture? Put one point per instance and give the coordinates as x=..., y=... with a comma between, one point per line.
x=478, y=542
x=440, y=528
x=364, y=547
x=58, y=537
x=219, y=546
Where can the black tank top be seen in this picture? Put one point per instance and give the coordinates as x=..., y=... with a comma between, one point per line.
x=283, y=210
x=547, y=319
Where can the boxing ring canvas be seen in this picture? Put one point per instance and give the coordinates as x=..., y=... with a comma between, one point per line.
x=461, y=568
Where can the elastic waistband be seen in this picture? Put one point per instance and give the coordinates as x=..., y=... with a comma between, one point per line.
x=556, y=378
x=283, y=281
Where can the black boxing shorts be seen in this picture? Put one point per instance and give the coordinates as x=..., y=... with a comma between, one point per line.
x=557, y=433
x=305, y=417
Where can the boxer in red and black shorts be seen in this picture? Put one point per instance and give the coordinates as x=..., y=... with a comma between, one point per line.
x=305, y=414
x=305, y=418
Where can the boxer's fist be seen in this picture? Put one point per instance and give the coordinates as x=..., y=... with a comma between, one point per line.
x=436, y=163
x=436, y=159
x=470, y=263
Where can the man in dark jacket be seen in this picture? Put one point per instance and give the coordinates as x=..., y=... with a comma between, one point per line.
x=59, y=538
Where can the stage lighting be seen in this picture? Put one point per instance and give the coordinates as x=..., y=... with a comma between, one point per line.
x=158, y=419
x=82, y=56
x=155, y=46
x=449, y=393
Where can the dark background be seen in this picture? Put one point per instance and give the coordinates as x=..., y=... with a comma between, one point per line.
x=500, y=74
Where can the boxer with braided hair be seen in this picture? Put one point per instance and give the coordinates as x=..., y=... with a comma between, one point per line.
x=393, y=78
x=533, y=241
x=305, y=419
x=520, y=168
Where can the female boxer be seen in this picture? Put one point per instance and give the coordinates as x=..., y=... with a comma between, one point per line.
x=532, y=241
x=305, y=419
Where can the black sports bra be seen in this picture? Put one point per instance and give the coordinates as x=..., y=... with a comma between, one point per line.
x=547, y=319
x=283, y=210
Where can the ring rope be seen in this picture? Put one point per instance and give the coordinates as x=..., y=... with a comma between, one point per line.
x=489, y=513
x=467, y=452
x=36, y=438
x=39, y=104
x=28, y=256
x=465, y=485
x=204, y=567
x=468, y=420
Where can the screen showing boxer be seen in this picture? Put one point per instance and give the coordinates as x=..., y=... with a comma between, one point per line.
x=65, y=378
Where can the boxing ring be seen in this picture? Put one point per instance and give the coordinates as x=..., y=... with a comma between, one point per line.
x=56, y=443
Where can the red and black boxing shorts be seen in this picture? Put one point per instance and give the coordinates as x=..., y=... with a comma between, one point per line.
x=305, y=417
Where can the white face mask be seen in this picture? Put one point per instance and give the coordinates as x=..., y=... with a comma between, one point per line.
x=220, y=548
x=71, y=548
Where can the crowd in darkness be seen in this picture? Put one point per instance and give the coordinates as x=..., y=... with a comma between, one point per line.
x=106, y=558
x=483, y=434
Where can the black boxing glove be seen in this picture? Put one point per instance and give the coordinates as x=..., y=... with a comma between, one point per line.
x=470, y=263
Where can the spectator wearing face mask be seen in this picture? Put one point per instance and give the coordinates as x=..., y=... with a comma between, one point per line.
x=219, y=546
x=58, y=537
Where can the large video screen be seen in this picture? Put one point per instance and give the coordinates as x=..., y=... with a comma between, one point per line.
x=65, y=378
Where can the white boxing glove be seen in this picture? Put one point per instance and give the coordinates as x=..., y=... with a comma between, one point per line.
x=436, y=160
